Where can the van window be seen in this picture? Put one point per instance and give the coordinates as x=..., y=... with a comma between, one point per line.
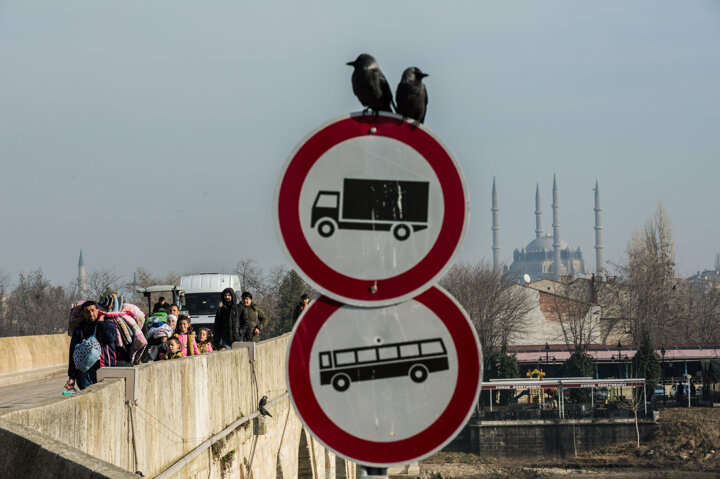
x=199, y=304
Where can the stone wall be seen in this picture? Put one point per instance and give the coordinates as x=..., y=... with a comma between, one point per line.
x=551, y=438
x=24, y=358
x=178, y=406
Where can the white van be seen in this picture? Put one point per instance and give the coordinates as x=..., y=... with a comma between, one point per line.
x=202, y=295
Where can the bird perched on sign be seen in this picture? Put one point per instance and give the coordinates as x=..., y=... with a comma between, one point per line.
x=261, y=407
x=411, y=95
x=369, y=84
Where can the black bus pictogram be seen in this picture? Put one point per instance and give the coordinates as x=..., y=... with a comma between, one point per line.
x=382, y=205
x=415, y=359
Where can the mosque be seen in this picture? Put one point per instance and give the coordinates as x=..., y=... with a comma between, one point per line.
x=547, y=256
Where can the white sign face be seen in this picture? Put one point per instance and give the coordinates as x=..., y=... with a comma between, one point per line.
x=370, y=239
x=385, y=385
x=371, y=209
x=388, y=348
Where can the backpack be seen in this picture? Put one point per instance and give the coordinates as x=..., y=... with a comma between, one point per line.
x=87, y=353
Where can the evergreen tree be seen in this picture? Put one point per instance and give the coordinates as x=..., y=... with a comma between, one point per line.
x=291, y=288
x=579, y=365
x=501, y=365
x=646, y=364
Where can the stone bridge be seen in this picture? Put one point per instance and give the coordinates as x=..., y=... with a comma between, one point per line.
x=194, y=417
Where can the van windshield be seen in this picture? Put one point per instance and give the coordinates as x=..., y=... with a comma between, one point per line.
x=200, y=304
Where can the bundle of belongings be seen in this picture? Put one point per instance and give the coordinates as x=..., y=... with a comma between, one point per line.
x=128, y=319
x=158, y=332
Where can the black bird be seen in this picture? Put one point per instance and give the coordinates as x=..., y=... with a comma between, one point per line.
x=261, y=407
x=411, y=95
x=369, y=84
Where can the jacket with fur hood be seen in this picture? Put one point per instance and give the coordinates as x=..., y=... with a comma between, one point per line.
x=230, y=321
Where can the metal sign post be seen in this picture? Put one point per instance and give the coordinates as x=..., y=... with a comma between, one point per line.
x=371, y=210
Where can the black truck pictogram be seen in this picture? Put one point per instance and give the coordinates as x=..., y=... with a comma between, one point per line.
x=415, y=359
x=382, y=205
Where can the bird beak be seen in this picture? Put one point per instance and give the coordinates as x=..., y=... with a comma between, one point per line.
x=351, y=64
x=423, y=75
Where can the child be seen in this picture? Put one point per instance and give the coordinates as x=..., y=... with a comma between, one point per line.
x=173, y=349
x=171, y=321
x=158, y=334
x=205, y=341
x=186, y=337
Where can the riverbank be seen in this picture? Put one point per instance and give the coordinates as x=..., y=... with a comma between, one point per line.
x=687, y=444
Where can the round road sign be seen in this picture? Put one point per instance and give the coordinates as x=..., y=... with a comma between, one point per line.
x=371, y=209
x=386, y=385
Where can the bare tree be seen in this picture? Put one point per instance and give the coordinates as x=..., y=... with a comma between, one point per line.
x=102, y=282
x=497, y=306
x=699, y=313
x=580, y=321
x=142, y=278
x=171, y=278
x=251, y=275
x=271, y=292
x=652, y=305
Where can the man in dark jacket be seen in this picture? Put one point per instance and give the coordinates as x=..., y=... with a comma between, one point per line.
x=230, y=321
x=304, y=301
x=256, y=318
x=161, y=305
x=106, y=334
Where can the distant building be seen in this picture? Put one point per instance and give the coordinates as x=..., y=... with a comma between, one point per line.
x=710, y=278
x=537, y=259
x=548, y=256
x=596, y=303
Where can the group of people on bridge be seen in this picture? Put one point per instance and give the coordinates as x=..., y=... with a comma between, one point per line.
x=110, y=333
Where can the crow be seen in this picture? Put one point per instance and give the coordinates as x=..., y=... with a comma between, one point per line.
x=369, y=84
x=261, y=407
x=411, y=95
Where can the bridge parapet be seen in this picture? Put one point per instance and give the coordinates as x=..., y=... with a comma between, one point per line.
x=179, y=405
x=25, y=358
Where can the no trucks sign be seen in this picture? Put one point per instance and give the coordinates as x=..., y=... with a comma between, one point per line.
x=371, y=209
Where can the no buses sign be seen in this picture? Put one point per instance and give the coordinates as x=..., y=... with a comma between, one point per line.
x=386, y=385
x=371, y=209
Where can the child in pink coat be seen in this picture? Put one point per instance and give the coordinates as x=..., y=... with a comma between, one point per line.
x=186, y=337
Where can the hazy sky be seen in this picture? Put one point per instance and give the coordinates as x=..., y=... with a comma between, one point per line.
x=153, y=133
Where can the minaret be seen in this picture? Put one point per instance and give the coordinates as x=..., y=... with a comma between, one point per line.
x=598, y=234
x=81, y=276
x=538, y=212
x=556, y=230
x=495, y=228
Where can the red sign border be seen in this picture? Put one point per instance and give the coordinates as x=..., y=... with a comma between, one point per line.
x=394, y=289
x=382, y=454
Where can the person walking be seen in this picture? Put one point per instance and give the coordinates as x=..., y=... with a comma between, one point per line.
x=301, y=306
x=105, y=332
x=230, y=319
x=256, y=319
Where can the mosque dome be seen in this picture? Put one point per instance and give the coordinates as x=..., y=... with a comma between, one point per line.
x=539, y=259
x=544, y=243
